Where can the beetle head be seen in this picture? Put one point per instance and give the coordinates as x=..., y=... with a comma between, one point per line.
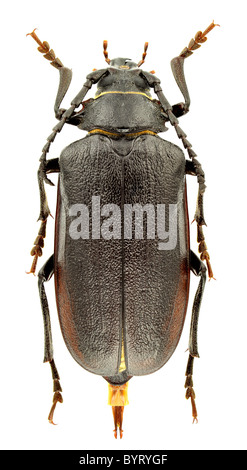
x=123, y=63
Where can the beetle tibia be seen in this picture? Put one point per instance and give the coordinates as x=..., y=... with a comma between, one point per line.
x=118, y=398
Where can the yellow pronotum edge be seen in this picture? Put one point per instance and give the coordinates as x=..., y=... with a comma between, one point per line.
x=124, y=93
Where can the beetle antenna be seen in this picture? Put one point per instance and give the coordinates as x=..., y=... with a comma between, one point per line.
x=44, y=48
x=199, y=39
x=105, y=43
x=63, y=116
x=177, y=63
x=143, y=55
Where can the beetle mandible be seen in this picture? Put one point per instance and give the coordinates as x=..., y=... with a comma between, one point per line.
x=121, y=300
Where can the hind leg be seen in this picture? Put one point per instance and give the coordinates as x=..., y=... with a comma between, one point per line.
x=199, y=269
x=45, y=275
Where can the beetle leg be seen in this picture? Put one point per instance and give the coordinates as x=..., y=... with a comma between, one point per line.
x=191, y=168
x=51, y=166
x=203, y=250
x=194, y=168
x=180, y=109
x=190, y=393
x=57, y=389
x=199, y=269
x=187, y=145
x=36, y=251
x=46, y=166
x=44, y=275
x=63, y=116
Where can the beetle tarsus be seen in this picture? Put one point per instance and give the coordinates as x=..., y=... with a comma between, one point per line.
x=57, y=389
x=202, y=248
x=57, y=397
x=190, y=393
x=38, y=245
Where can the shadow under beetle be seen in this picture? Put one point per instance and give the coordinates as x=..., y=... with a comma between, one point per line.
x=121, y=301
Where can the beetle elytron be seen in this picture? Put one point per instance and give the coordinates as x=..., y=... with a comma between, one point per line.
x=121, y=300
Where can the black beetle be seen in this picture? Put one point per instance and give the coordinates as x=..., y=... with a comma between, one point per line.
x=121, y=301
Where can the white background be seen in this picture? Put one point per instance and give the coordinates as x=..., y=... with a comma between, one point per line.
x=158, y=416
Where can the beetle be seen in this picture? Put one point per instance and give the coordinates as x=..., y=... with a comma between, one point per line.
x=121, y=300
